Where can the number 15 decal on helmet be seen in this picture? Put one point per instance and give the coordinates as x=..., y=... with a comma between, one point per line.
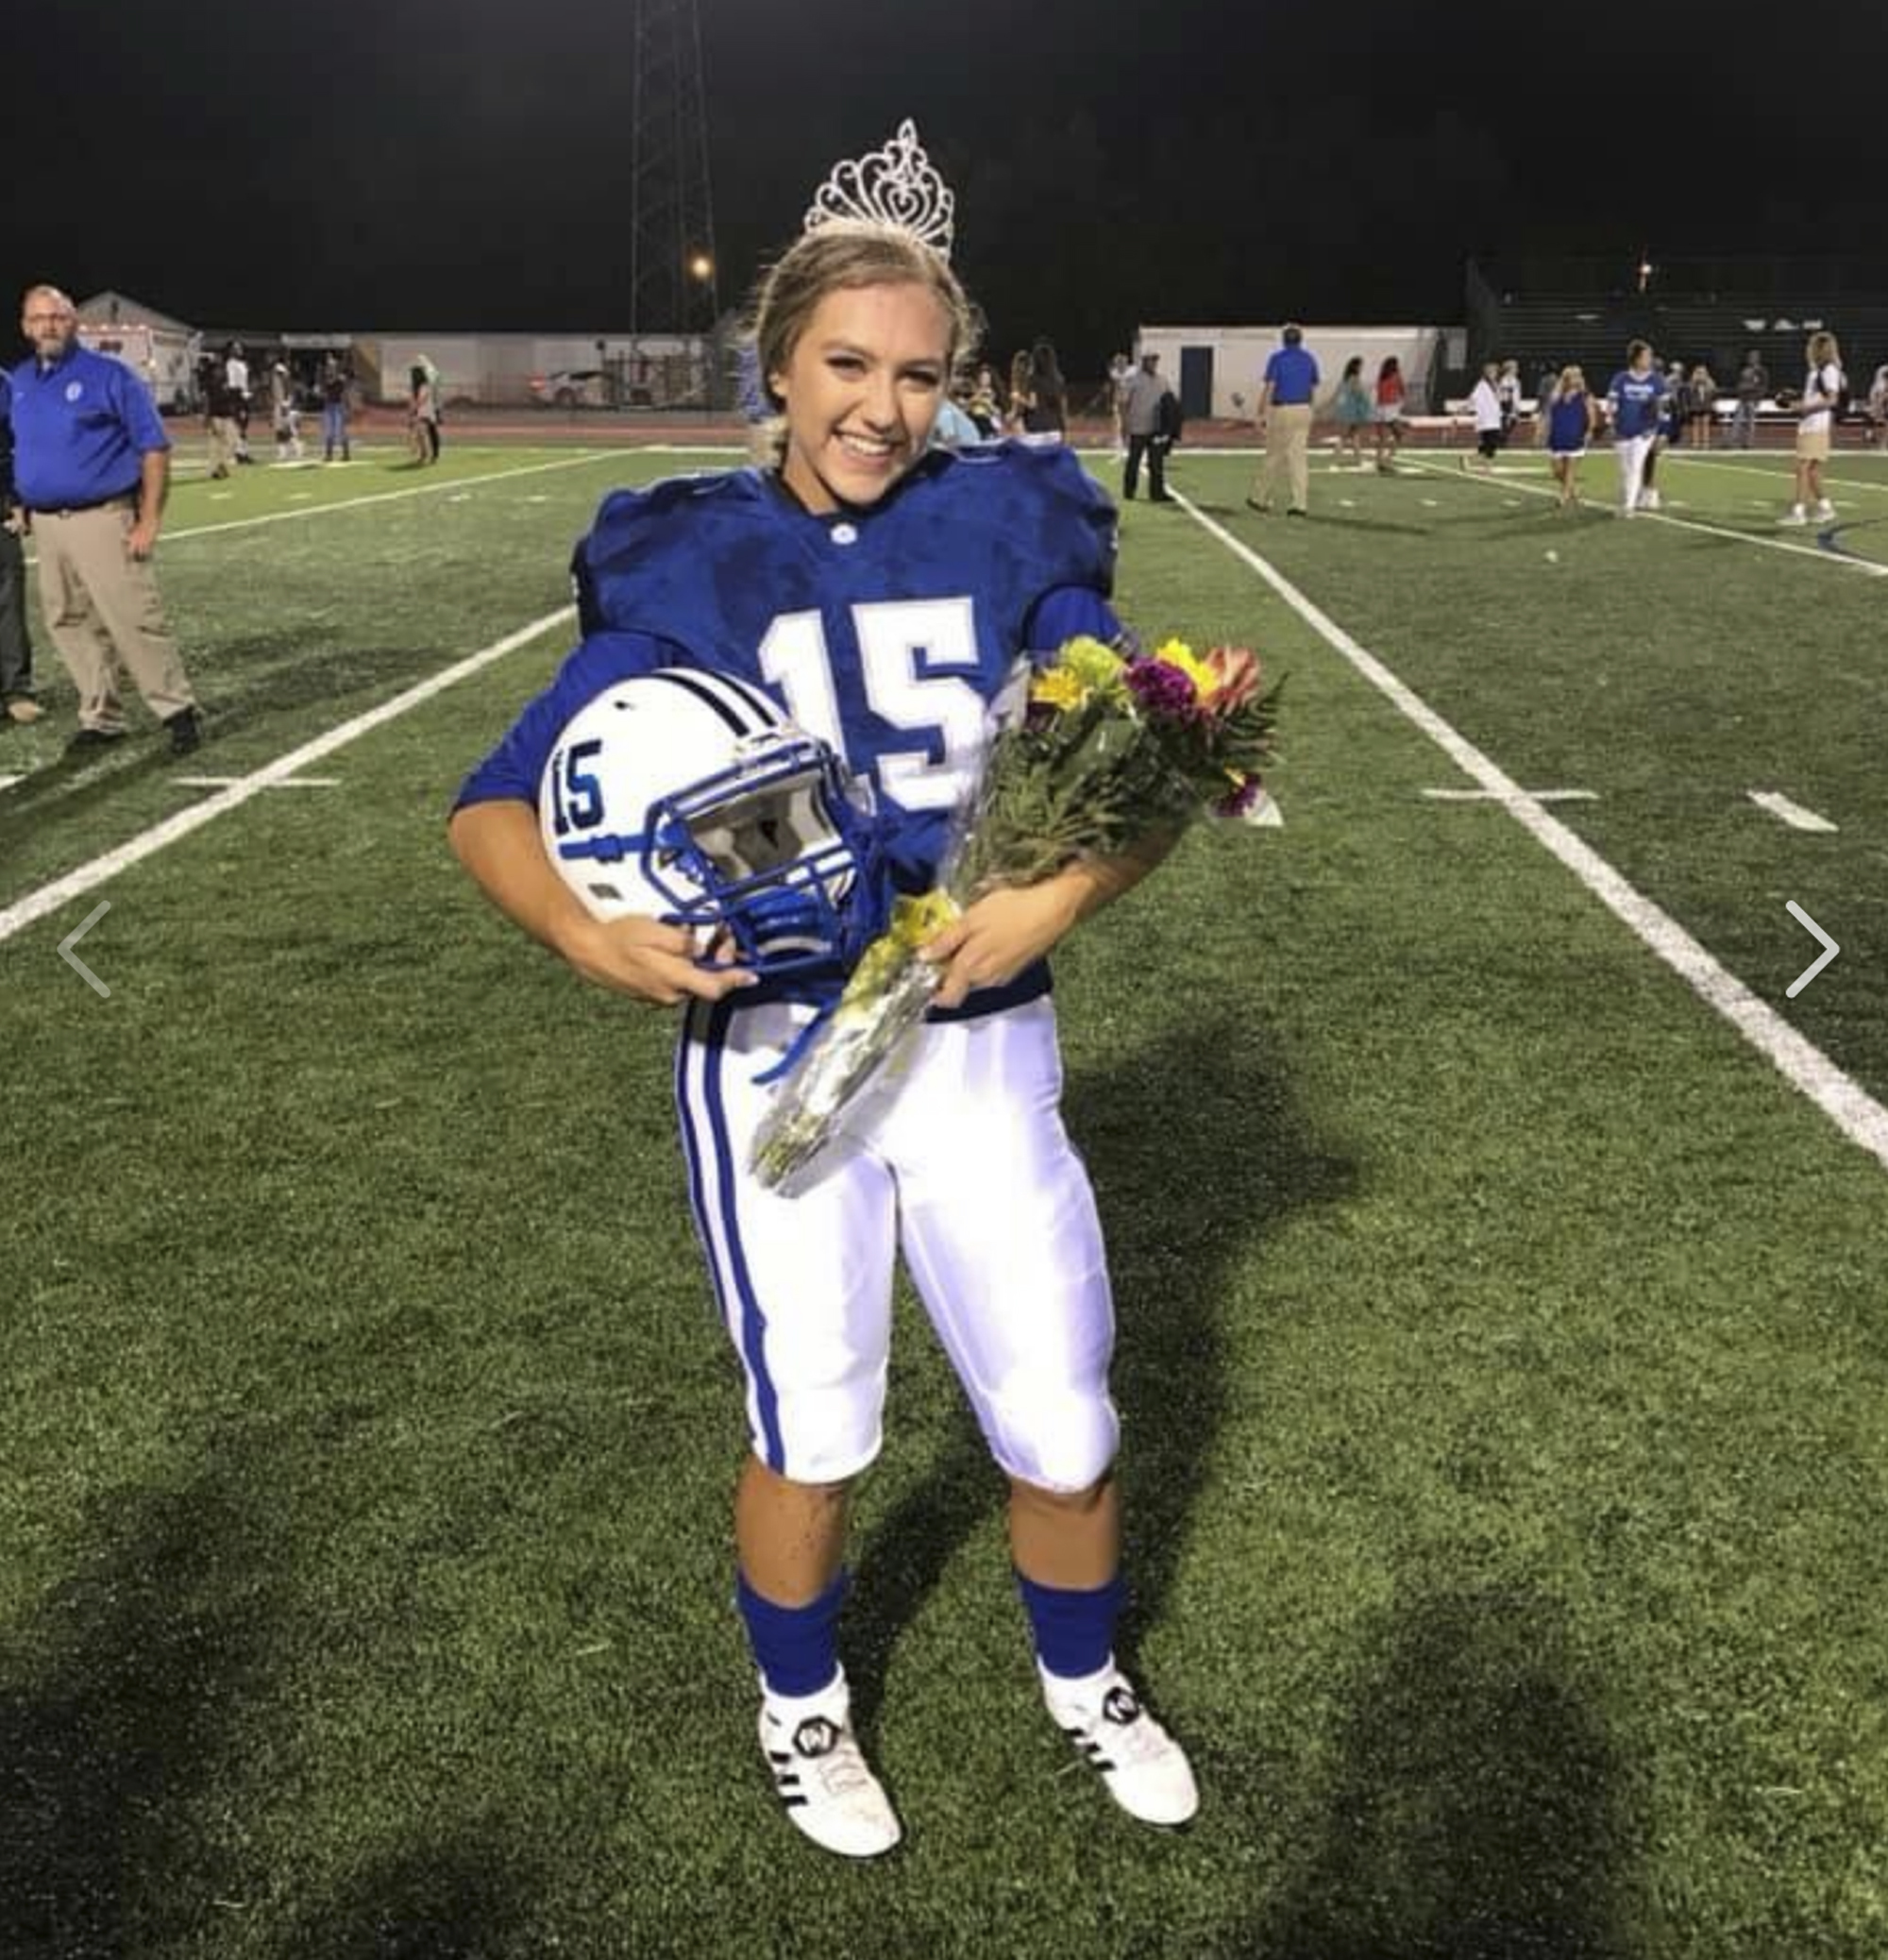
x=688, y=796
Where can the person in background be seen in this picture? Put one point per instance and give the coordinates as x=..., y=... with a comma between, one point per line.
x=984, y=409
x=236, y=376
x=1046, y=419
x=1148, y=395
x=1391, y=393
x=1351, y=410
x=91, y=466
x=1635, y=399
x=1021, y=393
x=424, y=413
x=1121, y=375
x=16, y=644
x=1753, y=385
x=1283, y=419
x=1485, y=406
x=1878, y=409
x=1674, y=402
x=283, y=414
x=1701, y=400
x=750, y=396
x=1815, y=429
x=1508, y=391
x=1568, y=414
x=334, y=410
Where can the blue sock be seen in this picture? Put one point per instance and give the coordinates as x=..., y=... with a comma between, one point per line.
x=796, y=1647
x=1075, y=1630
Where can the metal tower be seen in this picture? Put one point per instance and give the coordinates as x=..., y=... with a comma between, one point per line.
x=673, y=276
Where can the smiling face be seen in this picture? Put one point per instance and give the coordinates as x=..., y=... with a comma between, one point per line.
x=861, y=389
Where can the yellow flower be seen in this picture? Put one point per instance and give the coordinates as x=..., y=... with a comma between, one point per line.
x=1058, y=688
x=1178, y=653
x=1096, y=668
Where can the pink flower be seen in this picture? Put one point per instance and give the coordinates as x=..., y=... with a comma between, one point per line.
x=1236, y=671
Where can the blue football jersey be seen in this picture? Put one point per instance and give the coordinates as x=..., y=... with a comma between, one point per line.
x=888, y=629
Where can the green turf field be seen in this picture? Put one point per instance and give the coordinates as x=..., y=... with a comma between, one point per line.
x=1502, y=1354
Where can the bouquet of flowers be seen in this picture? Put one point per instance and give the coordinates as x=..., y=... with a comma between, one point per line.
x=1112, y=748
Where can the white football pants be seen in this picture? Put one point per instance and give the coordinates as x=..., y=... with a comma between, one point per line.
x=959, y=1158
x=1632, y=453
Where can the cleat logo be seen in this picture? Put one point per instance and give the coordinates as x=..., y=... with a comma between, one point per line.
x=816, y=1737
x=1118, y=1705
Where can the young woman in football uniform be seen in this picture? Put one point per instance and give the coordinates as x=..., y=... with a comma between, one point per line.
x=879, y=591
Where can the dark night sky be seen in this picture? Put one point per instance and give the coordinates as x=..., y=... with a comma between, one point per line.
x=463, y=164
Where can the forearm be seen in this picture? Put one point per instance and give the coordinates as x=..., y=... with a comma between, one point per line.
x=1091, y=882
x=499, y=843
x=154, y=480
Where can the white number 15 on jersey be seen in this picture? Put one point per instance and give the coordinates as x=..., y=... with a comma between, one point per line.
x=913, y=655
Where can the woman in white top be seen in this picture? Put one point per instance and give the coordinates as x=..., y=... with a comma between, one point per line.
x=1815, y=426
x=1485, y=405
x=1877, y=408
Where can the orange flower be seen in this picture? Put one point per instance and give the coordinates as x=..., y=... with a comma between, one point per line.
x=1235, y=674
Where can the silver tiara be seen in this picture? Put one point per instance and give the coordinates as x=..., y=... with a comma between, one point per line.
x=895, y=185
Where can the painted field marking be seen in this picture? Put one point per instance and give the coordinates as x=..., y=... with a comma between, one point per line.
x=88, y=877
x=1866, y=565
x=279, y=782
x=1794, y=814
x=8, y=782
x=1781, y=478
x=361, y=503
x=1539, y=796
x=1843, y=1101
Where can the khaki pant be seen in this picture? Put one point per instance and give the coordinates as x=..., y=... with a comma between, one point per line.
x=102, y=607
x=1288, y=437
x=221, y=444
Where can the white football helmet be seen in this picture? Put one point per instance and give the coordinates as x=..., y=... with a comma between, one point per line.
x=688, y=796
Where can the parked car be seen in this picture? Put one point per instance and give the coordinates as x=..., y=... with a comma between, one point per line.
x=572, y=388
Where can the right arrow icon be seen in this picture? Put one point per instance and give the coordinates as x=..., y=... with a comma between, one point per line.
x=1822, y=959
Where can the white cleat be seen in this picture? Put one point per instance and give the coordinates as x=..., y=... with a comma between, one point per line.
x=822, y=1778
x=1146, y=1771
x=1826, y=512
x=1796, y=515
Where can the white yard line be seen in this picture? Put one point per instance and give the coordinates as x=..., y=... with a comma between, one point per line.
x=1843, y=1101
x=1866, y=566
x=1785, y=811
x=358, y=503
x=1779, y=477
x=88, y=877
x=279, y=782
x=1539, y=796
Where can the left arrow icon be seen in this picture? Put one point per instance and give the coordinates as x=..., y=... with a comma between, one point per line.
x=72, y=939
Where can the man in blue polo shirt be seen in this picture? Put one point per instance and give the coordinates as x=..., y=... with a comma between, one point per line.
x=1284, y=418
x=91, y=465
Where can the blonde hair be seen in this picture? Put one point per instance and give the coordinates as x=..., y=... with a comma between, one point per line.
x=1571, y=382
x=839, y=256
x=1822, y=349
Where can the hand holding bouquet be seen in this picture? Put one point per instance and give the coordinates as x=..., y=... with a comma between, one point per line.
x=1112, y=750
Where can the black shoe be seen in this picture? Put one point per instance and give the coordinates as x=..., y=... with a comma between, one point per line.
x=1293, y=511
x=1162, y=497
x=1264, y=509
x=186, y=731
x=87, y=739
